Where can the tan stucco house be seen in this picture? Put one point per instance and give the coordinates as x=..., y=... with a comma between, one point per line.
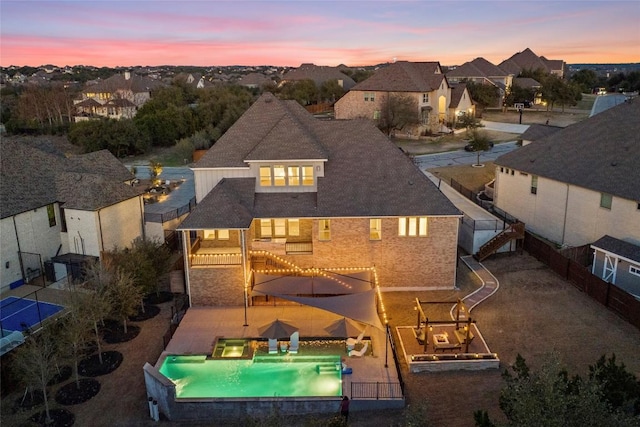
x=577, y=184
x=301, y=195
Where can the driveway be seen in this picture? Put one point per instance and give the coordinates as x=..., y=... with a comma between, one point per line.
x=604, y=102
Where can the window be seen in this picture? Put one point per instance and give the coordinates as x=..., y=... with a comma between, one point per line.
x=294, y=175
x=605, y=200
x=279, y=176
x=265, y=176
x=223, y=234
x=209, y=234
x=501, y=170
x=375, y=229
x=376, y=115
x=307, y=175
x=634, y=270
x=534, y=184
x=324, y=229
x=425, y=98
x=51, y=213
x=265, y=228
x=280, y=227
x=412, y=226
x=294, y=227
x=369, y=96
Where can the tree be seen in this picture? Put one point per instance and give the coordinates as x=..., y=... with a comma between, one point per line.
x=557, y=91
x=518, y=94
x=550, y=398
x=396, y=112
x=123, y=296
x=621, y=389
x=304, y=91
x=155, y=169
x=479, y=140
x=36, y=360
x=484, y=95
x=95, y=302
x=585, y=79
x=331, y=91
x=75, y=333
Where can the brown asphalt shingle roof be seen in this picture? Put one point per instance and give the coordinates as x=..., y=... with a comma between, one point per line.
x=404, y=76
x=319, y=74
x=601, y=153
x=536, y=131
x=365, y=174
x=37, y=175
x=135, y=83
x=479, y=67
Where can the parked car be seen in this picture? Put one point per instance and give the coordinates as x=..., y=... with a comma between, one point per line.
x=525, y=104
x=469, y=147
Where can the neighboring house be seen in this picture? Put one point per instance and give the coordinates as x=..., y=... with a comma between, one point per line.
x=527, y=60
x=535, y=132
x=117, y=97
x=533, y=85
x=58, y=210
x=579, y=183
x=320, y=74
x=422, y=81
x=484, y=72
x=195, y=80
x=618, y=262
x=301, y=193
x=254, y=80
x=461, y=103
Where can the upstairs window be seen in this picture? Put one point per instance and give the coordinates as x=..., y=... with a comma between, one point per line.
x=307, y=175
x=223, y=234
x=293, y=173
x=534, y=184
x=375, y=229
x=412, y=226
x=425, y=98
x=265, y=228
x=294, y=227
x=605, y=200
x=324, y=229
x=265, y=176
x=280, y=227
x=279, y=176
x=369, y=96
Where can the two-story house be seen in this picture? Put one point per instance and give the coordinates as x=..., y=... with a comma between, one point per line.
x=312, y=197
x=422, y=81
x=320, y=74
x=481, y=71
x=60, y=211
x=119, y=96
x=577, y=184
x=527, y=60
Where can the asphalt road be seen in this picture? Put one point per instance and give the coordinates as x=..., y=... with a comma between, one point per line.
x=461, y=157
x=604, y=102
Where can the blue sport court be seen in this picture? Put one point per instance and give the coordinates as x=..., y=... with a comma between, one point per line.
x=18, y=314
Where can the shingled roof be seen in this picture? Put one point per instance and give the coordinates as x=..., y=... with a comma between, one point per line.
x=319, y=74
x=365, y=173
x=528, y=60
x=479, y=67
x=35, y=175
x=619, y=247
x=134, y=83
x=404, y=76
x=601, y=153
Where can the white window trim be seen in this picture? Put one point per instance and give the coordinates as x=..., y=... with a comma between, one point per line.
x=634, y=270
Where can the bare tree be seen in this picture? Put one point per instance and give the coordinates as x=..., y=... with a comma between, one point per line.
x=396, y=112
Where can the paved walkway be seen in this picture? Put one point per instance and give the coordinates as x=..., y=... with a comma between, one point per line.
x=489, y=286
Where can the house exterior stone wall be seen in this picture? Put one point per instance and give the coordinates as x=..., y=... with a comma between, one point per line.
x=220, y=286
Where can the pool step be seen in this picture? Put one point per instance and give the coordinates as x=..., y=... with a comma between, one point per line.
x=327, y=369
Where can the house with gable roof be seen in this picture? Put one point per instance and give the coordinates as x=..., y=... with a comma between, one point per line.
x=528, y=60
x=119, y=96
x=423, y=81
x=577, y=184
x=302, y=195
x=320, y=74
x=482, y=71
x=62, y=211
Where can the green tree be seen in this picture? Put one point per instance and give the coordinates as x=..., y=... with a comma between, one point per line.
x=621, y=389
x=585, y=79
x=331, y=91
x=396, y=112
x=518, y=94
x=479, y=140
x=303, y=91
x=484, y=95
x=124, y=296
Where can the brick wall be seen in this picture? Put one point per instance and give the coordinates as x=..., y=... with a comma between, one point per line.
x=220, y=286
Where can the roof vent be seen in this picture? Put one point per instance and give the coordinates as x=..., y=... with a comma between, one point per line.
x=410, y=182
x=614, y=163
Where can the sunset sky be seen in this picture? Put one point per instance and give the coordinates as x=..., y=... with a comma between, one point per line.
x=154, y=32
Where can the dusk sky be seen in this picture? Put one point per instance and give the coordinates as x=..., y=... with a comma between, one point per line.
x=127, y=33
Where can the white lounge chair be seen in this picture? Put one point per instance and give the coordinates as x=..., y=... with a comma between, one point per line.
x=273, y=345
x=295, y=342
x=351, y=342
x=359, y=353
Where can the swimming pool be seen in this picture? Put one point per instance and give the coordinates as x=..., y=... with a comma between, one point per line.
x=261, y=376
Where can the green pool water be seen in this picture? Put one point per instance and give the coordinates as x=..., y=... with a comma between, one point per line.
x=262, y=376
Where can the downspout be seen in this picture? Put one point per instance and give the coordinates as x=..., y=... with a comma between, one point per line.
x=244, y=275
x=566, y=207
x=144, y=234
x=100, y=229
x=185, y=250
x=15, y=229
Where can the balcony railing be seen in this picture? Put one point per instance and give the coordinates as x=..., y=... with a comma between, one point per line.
x=299, y=248
x=209, y=257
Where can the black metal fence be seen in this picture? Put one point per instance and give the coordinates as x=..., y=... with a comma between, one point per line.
x=376, y=390
x=170, y=215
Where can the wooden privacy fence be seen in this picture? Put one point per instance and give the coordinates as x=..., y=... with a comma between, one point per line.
x=615, y=299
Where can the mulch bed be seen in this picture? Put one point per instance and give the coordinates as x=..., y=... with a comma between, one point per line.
x=158, y=297
x=113, y=332
x=150, y=311
x=63, y=374
x=71, y=394
x=91, y=366
x=59, y=417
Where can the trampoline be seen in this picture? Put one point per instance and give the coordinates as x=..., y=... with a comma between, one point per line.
x=19, y=314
